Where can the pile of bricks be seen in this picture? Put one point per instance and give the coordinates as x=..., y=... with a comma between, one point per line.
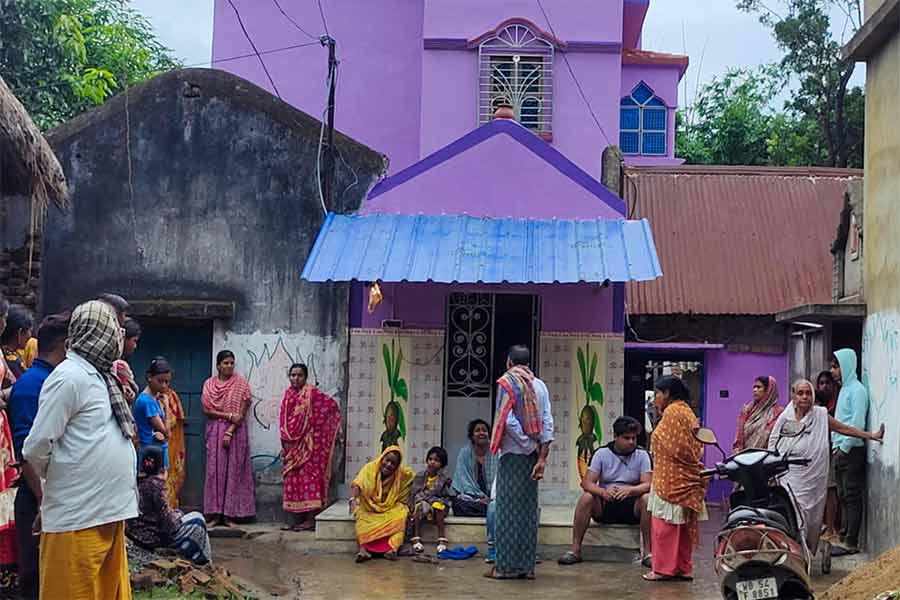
x=19, y=280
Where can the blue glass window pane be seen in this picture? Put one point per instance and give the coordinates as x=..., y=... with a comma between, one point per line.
x=629, y=118
x=654, y=143
x=654, y=119
x=627, y=101
x=642, y=93
x=629, y=142
x=655, y=101
x=530, y=113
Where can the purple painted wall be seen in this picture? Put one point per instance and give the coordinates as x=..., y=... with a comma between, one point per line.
x=575, y=20
x=379, y=45
x=405, y=101
x=499, y=170
x=577, y=307
x=735, y=372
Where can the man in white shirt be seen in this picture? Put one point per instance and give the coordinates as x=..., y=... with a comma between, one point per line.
x=523, y=432
x=81, y=442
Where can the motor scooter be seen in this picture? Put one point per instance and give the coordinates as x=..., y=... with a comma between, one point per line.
x=760, y=551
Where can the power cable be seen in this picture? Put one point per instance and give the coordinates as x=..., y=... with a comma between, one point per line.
x=574, y=78
x=322, y=14
x=293, y=22
x=252, y=45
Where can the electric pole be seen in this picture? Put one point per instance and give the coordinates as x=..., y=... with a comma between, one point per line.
x=328, y=172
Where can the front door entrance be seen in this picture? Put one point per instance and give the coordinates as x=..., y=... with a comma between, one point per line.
x=481, y=327
x=187, y=345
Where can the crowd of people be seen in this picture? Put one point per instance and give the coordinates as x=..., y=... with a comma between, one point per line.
x=661, y=490
x=88, y=458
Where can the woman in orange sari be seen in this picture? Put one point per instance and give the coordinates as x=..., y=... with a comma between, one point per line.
x=310, y=421
x=676, y=494
x=175, y=426
x=378, y=498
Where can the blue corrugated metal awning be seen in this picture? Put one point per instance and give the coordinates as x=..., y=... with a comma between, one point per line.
x=463, y=249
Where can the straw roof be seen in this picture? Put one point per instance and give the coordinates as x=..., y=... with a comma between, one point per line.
x=28, y=166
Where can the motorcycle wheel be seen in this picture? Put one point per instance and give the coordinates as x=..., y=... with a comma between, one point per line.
x=826, y=558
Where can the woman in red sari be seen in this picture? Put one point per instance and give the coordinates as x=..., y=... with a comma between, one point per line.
x=8, y=475
x=310, y=422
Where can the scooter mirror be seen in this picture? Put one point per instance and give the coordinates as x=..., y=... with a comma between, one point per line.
x=791, y=429
x=705, y=435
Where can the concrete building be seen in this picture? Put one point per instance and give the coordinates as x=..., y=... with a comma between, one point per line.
x=195, y=196
x=878, y=44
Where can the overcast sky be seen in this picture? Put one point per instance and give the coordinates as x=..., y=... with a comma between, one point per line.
x=713, y=33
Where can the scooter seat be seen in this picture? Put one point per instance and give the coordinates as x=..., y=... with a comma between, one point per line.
x=743, y=515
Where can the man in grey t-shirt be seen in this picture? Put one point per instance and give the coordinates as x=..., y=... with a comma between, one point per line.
x=616, y=487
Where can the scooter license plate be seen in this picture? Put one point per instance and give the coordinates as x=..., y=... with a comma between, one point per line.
x=757, y=589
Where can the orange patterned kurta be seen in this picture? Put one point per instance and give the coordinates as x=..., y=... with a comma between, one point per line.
x=175, y=424
x=677, y=462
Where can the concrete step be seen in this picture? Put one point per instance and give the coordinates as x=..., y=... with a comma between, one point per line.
x=336, y=524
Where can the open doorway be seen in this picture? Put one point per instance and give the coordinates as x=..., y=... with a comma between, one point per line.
x=642, y=369
x=481, y=327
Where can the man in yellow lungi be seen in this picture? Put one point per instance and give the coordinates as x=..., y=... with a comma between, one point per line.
x=81, y=441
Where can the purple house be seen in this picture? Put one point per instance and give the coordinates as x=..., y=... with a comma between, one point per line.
x=489, y=231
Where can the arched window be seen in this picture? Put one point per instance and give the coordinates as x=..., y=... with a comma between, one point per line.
x=643, y=123
x=515, y=69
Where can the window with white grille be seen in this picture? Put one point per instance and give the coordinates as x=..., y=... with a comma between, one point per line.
x=643, y=126
x=516, y=70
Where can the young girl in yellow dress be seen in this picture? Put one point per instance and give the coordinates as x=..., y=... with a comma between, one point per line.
x=430, y=499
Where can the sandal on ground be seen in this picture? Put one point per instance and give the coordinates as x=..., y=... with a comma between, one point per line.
x=493, y=574
x=647, y=561
x=654, y=576
x=417, y=545
x=391, y=556
x=362, y=557
x=442, y=545
x=569, y=558
x=426, y=558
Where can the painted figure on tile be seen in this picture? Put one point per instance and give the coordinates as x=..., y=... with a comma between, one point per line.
x=587, y=441
x=394, y=419
x=589, y=418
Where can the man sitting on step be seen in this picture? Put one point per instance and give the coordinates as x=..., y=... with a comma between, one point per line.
x=616, y=486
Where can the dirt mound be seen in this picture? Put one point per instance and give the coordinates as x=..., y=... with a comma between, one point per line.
x=869, y=581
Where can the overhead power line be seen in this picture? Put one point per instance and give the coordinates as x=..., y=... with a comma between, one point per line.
x=252, y=45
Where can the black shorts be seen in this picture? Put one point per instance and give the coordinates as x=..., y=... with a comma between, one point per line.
x=619, y=512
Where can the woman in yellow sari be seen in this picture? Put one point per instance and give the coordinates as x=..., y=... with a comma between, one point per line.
x=378, y=498
x=175, y=426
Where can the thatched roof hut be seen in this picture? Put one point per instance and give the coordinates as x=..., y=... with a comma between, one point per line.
x=28, y=166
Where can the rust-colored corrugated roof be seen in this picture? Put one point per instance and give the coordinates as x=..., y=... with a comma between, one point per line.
x=648, y=57
x=737, y=240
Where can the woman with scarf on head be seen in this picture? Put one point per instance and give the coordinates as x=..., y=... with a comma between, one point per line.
x=158, y=526
x=809, y=483
x=758, y=416
x=378, y=499
x=310, y=422
x=677, y=491
x=230, y=491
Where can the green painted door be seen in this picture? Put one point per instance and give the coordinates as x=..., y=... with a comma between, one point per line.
x=187, y=345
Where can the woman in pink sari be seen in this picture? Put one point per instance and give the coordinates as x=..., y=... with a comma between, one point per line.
x=310, y=421
x=229, y=492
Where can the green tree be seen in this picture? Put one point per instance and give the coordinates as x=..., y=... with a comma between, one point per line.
x=63, y=57
x=812, y=59
x=730, y=122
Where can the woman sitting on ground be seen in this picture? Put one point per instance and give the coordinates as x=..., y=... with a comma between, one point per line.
x=474, y=473
x=809, y=483
x=378, y=497
x=158, y=526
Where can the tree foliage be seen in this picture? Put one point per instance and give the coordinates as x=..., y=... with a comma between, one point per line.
x=733, y=120
x=62, y=57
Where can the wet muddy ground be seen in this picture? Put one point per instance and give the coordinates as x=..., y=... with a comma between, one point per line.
x=297, y=571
